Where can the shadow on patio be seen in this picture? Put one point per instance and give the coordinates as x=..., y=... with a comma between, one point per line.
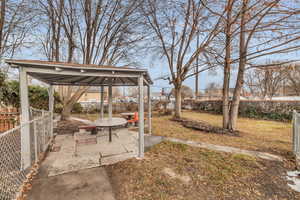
x=65, y=176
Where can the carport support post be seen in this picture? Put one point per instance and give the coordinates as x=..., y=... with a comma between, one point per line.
x=102, y=103
x=141, y=116
x=51, y=107
x=25, y=130
x=110, y=101
x=149, y=110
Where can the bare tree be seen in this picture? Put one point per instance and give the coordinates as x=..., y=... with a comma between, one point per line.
x=259, y=29
x=186, y=92
x=16, y=21
x=98, y=32
x=293, y=79
x=258, y=19
x=175, y=25
x=266, y=81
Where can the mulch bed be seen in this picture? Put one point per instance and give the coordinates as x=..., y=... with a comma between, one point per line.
x=68, y=127
x=204, y=126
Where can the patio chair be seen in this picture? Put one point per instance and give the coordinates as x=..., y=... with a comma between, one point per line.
x=134, y=120
x=83, y=139
x=92, y=129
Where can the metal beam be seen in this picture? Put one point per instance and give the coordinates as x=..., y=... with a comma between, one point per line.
x=25, y=126
x=141, y=116
x=149, y=110
x=110, y=100
x=91, y=84
x=102, y=102
x=51, y=107
x=132, y=80
x=100, y=73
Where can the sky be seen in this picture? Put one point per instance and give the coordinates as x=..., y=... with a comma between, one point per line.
x=157, y=67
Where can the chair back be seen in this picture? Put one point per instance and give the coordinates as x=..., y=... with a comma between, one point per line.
x=136, y=116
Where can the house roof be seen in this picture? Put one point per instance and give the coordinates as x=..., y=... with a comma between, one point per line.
x=61, y=73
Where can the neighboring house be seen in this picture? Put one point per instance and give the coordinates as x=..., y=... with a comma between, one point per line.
x=287, y=98
x=92, y=95
x=217, y=94
x=286, y=90
x=213, y=94
x=158, y=96
x=284, y=74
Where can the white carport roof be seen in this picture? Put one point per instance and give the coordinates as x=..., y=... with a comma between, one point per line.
x=60, y=73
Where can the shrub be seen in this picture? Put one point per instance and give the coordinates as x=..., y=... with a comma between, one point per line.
x=269, y=110
x=38, y=96
x=77, y=108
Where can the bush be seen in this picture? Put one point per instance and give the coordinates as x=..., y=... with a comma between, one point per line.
x=38, y=96
x=77, y=108
x=269, y=110
x=58, y=107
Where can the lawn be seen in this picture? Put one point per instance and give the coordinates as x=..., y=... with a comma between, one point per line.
x=176, y=171
x=261, y=135
x=207, y=175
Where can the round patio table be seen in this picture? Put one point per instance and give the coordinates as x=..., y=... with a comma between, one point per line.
x=110, y=123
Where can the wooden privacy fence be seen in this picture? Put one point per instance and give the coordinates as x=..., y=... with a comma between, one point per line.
x=9, y=118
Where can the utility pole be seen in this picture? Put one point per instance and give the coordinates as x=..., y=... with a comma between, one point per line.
x=197, y=72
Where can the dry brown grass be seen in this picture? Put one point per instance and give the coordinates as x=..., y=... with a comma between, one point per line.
x=213, y=175
x=260, y=135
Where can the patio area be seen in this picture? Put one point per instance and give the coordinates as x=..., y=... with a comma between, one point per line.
x=62, y=159
x=82, y=150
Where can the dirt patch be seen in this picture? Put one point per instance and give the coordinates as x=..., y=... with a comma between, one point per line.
x=172, y=174
x=213, y=175
x=68, y=127
x=204, y=126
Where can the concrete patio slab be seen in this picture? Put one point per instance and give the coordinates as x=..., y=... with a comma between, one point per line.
x=88, y=184
x=123, y=146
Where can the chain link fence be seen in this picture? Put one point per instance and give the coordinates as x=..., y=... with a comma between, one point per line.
x=12, y=174
x=296, y=133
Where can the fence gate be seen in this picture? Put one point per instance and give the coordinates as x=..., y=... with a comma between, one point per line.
x=296, y=133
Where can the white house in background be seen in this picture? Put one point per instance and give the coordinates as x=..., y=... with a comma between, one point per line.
x=287, y=98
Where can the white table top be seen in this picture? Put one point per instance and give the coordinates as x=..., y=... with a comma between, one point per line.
x=106, y=122
x=128, y=113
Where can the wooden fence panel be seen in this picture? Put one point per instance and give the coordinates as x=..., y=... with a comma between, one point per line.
x=9, y=118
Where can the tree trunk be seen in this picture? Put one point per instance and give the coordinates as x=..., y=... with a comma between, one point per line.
x=240, y=77
x=225, y=108
x=226, y=79
x=69, y=103
x=2, y=20
x=177, y=102
x=66, y=112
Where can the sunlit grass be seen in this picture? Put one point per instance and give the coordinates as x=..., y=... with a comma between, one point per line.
x=261, y=135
